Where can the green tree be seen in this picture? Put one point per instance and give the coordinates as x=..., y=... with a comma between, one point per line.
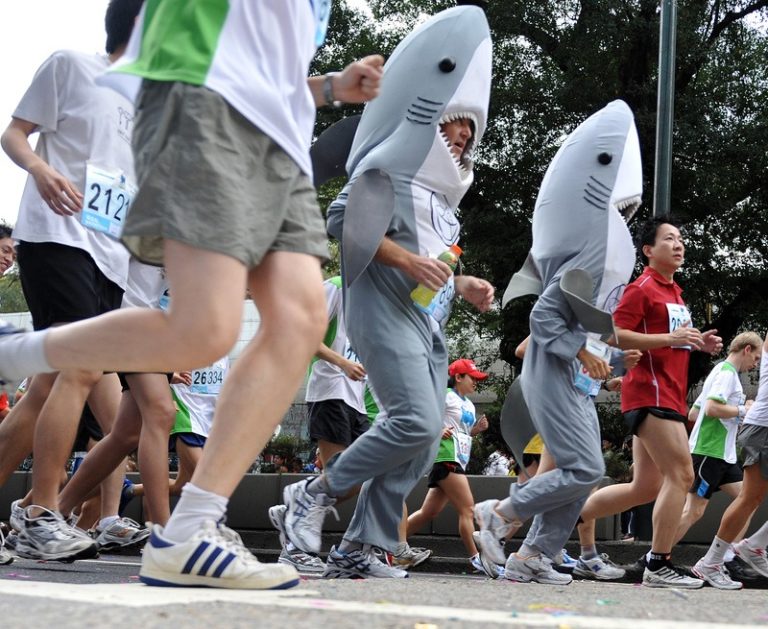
x=11, y=295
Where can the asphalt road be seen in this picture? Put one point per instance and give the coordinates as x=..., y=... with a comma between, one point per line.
x=106, y=592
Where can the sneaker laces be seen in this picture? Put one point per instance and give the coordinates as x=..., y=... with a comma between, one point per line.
x=230, y=540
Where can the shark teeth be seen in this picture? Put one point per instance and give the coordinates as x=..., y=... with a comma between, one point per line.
x=627, y=207
x=455, y=115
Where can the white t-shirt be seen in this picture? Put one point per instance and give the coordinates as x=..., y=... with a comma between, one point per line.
x=255, y=54
x=758, y=412
x=196, y=403
x=713, y=436
x=459, y=414
x=146, y=285
x=327, y=381
x=79, y=122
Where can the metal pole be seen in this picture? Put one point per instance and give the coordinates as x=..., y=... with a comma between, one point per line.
x=665, y=109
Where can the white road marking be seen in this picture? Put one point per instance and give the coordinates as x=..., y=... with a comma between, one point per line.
x=136, y=595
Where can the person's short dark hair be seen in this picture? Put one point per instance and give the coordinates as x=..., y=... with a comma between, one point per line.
x=5, y=230
x=646, y=233
x=121, y=14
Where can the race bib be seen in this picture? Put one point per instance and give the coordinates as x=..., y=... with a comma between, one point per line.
x=583, y=381
x=679, y=317
x=108, y=196
x=442, y=303
x=165, y=301
x=463, y=443
x=350, y=353
x=207, y=381
x=322, y=12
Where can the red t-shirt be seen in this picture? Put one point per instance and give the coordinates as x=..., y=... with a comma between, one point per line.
x=652, y=305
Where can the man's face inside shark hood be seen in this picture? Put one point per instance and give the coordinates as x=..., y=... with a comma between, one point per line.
x=458, y=134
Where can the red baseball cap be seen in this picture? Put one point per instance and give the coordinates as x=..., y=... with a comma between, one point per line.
x=465, y=366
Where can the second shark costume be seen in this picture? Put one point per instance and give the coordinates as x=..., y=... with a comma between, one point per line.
x=581, y=258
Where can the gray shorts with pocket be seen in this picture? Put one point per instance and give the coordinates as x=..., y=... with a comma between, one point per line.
x=210, y=179
x=753, y=442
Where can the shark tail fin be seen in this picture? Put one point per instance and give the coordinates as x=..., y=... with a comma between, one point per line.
x=331, y=150
x=578, y=289
x=525, y=282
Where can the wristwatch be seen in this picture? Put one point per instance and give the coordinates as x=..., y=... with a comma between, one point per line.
x=330, y=101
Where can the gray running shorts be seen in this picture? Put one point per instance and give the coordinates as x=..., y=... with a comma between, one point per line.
x=753, y=442
x=210, y=179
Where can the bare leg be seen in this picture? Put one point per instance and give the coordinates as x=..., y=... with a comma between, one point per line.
x=434, y=503
x=139, y=339
x=694, y=509
x=667, y=444
x=153, y=398
x=287, y=290
x=644, y=487
x=456, y=489
x=18, y=428
x=737, y=514
x=104, y=401
x=189, y=457
x=325, y=451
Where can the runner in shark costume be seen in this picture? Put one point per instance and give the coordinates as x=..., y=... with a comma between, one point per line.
x=404, y=187
x=582, y=255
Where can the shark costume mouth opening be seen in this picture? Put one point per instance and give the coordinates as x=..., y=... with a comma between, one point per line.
x=464, y=163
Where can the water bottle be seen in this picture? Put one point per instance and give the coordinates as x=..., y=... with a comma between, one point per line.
x=423, y=296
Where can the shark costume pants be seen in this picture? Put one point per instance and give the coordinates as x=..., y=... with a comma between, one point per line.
x=407, y=364
x=568, y=424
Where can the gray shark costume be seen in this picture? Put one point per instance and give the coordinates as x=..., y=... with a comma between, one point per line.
x=581, y=259
x=405, y=184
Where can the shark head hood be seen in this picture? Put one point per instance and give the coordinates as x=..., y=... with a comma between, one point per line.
x=438, y=73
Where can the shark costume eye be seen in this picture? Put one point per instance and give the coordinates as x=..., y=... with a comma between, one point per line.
x=447, y=64
x=605, y=158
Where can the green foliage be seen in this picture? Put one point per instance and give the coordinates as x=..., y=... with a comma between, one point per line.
x=288, y=447
x=11, y=295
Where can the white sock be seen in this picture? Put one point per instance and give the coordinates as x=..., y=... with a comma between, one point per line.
x=716, y=553
x=105, y=522
x=759, y=539
x=729, y=555
x=589, y=552
x=195, y=507
x=23, y=355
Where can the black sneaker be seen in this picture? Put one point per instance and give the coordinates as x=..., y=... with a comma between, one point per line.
x=637, y=569
x=740, y=571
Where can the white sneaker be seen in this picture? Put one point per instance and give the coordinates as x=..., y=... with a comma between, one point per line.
x=493, y=528
x=359, y=564
x=411, y=557
x=213, y=557
x=5, y=556
x=493, y=570
x=305, y=515
x=539, y=569
x=669, y=577
x=277, y=517
x=496, y=571
x=10, y=371
x=564, y=561
x=122, y=533
x=303, y=562
x=717, y=576
x=754, y=557
x=49, y=537
x=16, y=519
x=599, y=568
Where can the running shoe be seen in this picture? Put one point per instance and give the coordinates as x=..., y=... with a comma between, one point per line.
x=493, y=570
x=497, y=572
x=737, y=568
x=5, y=556
x=670, y=577
x=599, y=568
x=563, y=561
x=49, y=537
x=359, y=564
x=11, y=539
x=303, y=562
x=539, y=569
x=717, y=576
x=753, y=557
x=16, y=519
x=492, y=528
x=277, y=517
x=410, y=557
x=305, y=515
x=122, y=533
x=214, y=556
x=126, y=495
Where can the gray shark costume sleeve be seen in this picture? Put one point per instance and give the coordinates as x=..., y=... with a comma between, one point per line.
x=582, y=257
x=405, y=184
